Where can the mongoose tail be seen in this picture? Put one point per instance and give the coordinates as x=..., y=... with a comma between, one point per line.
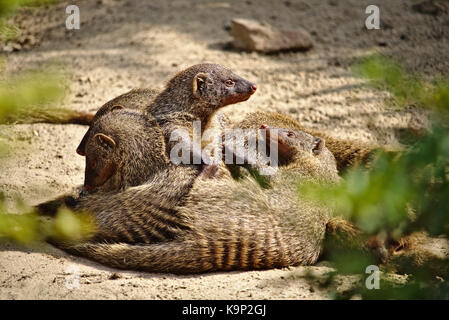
x=195, y=254
x=53, y=115
x=134, y=99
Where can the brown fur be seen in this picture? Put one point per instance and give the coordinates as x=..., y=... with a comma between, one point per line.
x=221, y=224
x=347, y=153
x=194, y=94
x=125, y=149
x=136, y=99
x=420, y=253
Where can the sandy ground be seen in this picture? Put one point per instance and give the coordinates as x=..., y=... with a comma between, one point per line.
x=127, y=44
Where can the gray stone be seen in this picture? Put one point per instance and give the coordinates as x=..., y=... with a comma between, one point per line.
x=251, y=35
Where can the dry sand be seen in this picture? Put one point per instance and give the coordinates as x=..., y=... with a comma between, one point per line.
x=127, y=44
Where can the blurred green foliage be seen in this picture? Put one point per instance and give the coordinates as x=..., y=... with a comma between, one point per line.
x=28, y=95
x=403, y=192
x=8, y=30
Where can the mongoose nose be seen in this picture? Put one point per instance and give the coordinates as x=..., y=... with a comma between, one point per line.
x=253, y=88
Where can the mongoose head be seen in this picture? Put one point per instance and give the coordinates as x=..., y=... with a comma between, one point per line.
x=301, y=151
x=123, y=149
x=133, y=100
x=292, y=142
x=210, y=85
x=81, y=149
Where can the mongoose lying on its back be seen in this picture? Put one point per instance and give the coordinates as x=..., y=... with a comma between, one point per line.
x=126, y=148
x=346, y=152
x=221, y=224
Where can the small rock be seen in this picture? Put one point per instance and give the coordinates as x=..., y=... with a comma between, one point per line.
x=114, y=276
x=251, y=35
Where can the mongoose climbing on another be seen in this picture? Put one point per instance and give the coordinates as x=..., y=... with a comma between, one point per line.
x=194, y=94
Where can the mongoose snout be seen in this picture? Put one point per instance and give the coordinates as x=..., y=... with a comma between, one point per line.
x=238, y=90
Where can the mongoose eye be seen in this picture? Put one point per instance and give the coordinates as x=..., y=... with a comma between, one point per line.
x=229, y=83
x=291, y=134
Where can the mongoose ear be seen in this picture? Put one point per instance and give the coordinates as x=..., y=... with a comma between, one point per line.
x=198, y=81
x=319, y=145
x=117, y=107
x=105, y=140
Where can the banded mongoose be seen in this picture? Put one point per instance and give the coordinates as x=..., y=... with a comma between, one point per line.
x=193, y=94
x=221, y=225
x=125, y=149
x=346, y=152
x=136, y=99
